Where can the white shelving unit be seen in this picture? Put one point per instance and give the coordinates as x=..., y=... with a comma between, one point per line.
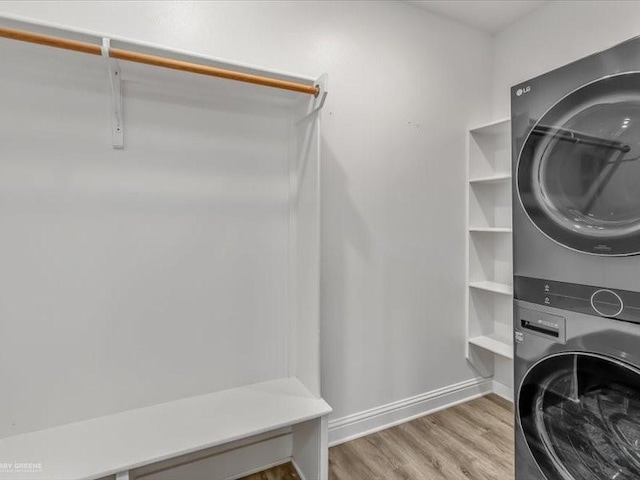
x=180, y=336
x=489, y=254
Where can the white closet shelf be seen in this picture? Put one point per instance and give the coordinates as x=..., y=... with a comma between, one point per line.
x=123, y=441
x=490, y=229
x=495, y=343
x=493, y=287
x=489, y=179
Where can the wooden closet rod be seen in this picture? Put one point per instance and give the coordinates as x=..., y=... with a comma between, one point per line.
x=156, y=61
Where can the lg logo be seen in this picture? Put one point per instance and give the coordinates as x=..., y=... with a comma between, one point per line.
x=524, y=90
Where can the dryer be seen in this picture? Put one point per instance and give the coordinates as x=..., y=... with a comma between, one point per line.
x=576, y=171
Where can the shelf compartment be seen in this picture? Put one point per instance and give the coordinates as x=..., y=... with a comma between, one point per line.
x=490, y=203
x=496, y=343
x=490, y=150
x=500, y=127
x=490, y=257
x=493, y=287
x=143, y=436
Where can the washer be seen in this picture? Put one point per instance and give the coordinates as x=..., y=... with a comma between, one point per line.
x=577, y=380
x=576, y=235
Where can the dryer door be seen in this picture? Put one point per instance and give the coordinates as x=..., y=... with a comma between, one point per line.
x=580, y=416
x=578, y=174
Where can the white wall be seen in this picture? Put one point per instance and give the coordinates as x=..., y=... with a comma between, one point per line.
x=404, y=87
x=554, y=35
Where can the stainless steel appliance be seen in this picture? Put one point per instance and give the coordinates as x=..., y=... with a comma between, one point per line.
x=577, y=380
x=576, y=234
x=576, y=171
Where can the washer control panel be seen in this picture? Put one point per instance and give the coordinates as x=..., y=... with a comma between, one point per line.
x=592, y=300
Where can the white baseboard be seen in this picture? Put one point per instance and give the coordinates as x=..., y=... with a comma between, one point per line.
x=379, y=418
x=503, y=391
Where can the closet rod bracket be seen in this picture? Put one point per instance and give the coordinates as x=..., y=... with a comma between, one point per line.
x=321, y=97
x=115, y=84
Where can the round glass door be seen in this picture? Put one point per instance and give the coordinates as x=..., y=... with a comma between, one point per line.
x=580, y=415
x=578, y=174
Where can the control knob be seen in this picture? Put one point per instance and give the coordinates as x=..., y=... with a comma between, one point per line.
x=607, y=303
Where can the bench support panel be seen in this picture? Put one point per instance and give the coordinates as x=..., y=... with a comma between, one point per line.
x=311, y=449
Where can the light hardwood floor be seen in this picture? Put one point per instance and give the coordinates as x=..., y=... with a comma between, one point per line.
x=472, y=441
x=283, y=472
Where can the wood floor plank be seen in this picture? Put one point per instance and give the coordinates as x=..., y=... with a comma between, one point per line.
x=486, y=442
x=471, y=441
x=501, y=402
x=400, y=446
x=351, y=462
x=281, y=472
x=466, y=456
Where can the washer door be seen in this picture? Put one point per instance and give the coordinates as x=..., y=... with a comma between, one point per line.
x=578, y=174
x=580, y=415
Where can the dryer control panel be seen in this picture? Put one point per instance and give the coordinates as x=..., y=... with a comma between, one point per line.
x=591, y=300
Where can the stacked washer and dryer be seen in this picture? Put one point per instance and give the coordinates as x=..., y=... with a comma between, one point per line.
x=576, y=226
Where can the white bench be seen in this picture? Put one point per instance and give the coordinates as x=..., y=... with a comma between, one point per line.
x=116, y=444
